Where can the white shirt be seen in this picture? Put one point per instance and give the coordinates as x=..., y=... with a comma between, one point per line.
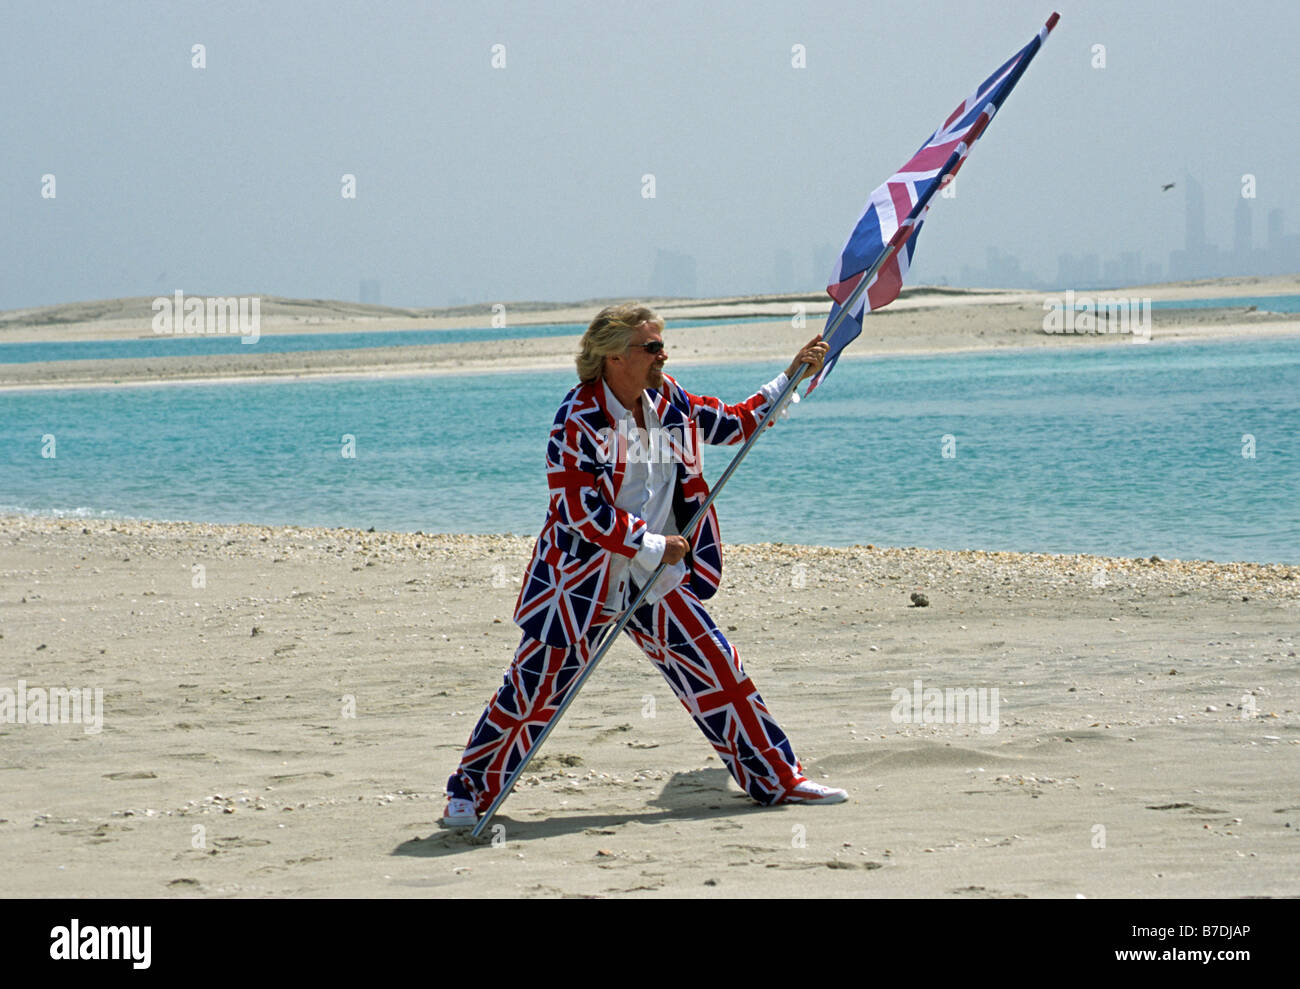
x=649, y=483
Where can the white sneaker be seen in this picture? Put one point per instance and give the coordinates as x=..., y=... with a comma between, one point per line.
x=809, y=792
x=459, y=813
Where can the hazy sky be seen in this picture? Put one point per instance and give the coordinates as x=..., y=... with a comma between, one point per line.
x=525, y=182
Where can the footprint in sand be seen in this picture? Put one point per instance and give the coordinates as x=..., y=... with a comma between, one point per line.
x=237, y=842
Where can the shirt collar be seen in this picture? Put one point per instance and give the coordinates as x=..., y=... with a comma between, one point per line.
x=617, y=410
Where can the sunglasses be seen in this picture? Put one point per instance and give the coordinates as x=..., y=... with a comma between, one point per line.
x=653, y=347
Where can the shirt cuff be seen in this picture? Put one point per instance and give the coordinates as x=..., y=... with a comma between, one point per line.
x=651, y=553
x=772, y=391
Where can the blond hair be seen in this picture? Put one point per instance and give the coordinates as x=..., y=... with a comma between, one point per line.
x=611, y=333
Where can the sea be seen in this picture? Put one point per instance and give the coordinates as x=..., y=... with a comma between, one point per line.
x=1182, y=450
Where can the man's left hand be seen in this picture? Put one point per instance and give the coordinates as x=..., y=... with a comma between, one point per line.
x=814, y=353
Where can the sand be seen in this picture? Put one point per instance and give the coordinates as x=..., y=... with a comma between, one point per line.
x=286, y=729
x=281, y=706
x=924, y=320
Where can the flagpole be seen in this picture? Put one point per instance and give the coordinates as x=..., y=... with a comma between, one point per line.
x=897, y=241
x=900, y=237
x=612, y=635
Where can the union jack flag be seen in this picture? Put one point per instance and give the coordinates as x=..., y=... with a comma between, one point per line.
x=881, y=245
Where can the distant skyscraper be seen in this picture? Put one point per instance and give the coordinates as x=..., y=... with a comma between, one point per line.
x=1274, y=230
x=1194, y=205
x=370, y=290
x=1089, y=270
x=1197, y=259
x=673, y=275
x=1283, y=255
x=1124, y=270
x=1241, y=240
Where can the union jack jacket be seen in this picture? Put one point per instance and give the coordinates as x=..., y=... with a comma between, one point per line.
x=567, y=579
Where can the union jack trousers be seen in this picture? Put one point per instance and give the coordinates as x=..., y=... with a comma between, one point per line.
x=700, y=665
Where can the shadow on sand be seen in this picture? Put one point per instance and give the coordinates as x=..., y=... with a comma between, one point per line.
x=698, y=795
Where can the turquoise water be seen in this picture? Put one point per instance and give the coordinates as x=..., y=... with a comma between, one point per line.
x=1265, y=303
x=282, y=343
x=1128, y=451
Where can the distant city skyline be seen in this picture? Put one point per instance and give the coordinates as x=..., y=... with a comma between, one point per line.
x=1197, y=258
x=428, y=153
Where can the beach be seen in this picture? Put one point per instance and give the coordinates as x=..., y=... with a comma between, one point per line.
x=285, y=729
x=923, y=321
x=274, y=711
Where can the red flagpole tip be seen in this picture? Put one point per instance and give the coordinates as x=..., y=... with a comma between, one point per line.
x=1051, y=21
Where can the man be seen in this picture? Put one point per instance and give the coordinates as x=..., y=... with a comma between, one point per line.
x=625, y=478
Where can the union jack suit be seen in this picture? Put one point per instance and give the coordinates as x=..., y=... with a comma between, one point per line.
x=561, y=611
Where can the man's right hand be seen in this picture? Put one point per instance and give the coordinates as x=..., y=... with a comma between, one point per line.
x=675, y=549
